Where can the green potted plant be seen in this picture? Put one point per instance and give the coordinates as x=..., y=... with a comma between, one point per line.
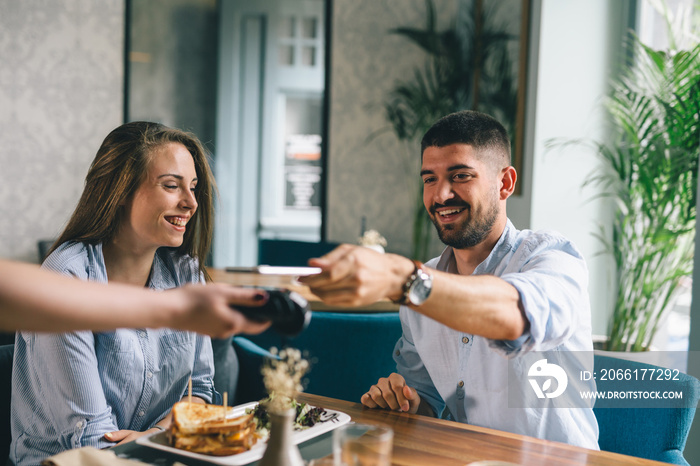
x=650, y=167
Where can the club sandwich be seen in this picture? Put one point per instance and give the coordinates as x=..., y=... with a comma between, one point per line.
x=211, y=429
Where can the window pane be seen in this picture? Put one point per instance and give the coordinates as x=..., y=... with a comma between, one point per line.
x=308, y=28
x=287, y=26
x=302, y=165
x=308, y=56
x=286, y=57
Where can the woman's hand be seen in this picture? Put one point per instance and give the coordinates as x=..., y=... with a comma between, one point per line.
x=211, y=309
x=126, y=436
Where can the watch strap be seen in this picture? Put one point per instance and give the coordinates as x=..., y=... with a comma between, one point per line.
x=417, y=267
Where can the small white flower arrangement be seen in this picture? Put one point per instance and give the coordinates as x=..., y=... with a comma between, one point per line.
x=373, y=240
x=282, y=378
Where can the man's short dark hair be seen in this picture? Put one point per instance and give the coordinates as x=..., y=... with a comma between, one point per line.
x=477, y=129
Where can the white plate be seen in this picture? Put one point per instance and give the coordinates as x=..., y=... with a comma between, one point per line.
x=159, y=440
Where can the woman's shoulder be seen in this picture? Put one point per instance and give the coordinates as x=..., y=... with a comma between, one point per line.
x=75, y=258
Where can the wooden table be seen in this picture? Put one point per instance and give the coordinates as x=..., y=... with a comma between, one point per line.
x=289, y=282
x=421, y=441
x=426, y=441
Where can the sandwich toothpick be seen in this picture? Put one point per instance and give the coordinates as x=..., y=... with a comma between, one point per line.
x=225, y=403
x=189, y=391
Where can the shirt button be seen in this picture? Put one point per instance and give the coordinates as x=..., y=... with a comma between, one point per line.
x=465, y=340
x=141, y=413
x=149, y=374
x=461, y=383
x=79, y=424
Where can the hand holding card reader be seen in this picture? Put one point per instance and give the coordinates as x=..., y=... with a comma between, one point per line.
x=288, y=311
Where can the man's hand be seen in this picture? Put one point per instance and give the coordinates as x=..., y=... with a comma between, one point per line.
x=392, y=393
x=210, y=309
x=356, y=276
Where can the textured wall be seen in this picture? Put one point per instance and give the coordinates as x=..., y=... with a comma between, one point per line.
x=173, y=64
x=61, y=78
x=372, y=177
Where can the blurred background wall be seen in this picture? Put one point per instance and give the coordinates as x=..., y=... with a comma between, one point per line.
x=61, y=88
x=173, y=61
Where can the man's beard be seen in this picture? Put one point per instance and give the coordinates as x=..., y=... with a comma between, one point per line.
x=469, y=232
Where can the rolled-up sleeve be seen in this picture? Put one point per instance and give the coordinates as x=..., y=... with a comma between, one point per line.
x=553, y=288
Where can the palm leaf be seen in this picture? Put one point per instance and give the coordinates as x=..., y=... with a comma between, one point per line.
x=650, y=171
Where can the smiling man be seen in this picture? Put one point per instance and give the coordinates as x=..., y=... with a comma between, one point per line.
x=495, y=294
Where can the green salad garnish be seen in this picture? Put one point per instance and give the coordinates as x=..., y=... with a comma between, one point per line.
x=306, y=415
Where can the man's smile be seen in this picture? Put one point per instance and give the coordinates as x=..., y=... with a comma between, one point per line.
x=446, y=212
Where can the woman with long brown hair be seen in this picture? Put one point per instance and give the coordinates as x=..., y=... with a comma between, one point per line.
x=145, y=218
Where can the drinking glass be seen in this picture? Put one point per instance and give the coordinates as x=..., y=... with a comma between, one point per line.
x=362, y=445
x=328, y=461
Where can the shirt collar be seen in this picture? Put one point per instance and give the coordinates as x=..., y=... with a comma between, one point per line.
x=161, y=278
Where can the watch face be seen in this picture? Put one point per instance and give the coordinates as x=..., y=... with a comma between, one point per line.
x=420, y=289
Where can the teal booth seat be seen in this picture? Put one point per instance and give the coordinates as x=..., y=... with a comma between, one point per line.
x=348, y=353
x=7, y=352
x=250, y=359
x=291, y=253
x=654, y=433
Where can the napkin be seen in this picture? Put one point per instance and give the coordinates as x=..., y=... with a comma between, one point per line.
x=88, y=456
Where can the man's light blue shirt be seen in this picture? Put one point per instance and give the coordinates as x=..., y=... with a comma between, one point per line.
x=469, y=374
x=69, y=389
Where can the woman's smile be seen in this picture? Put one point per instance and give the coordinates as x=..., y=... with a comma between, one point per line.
x=178, y=222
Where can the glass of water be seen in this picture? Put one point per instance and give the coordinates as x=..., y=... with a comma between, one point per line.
x=362, y=445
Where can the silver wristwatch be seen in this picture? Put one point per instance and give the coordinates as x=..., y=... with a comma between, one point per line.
x=418, y=286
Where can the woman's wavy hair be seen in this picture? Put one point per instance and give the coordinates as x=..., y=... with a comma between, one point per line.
x=117, y=171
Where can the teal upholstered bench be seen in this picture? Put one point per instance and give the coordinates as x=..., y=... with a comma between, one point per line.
x=7, y=352
x=654, y=433
x=348, y=353
x=290, y=252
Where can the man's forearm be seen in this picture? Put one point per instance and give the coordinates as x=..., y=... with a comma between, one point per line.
x=483, y=305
